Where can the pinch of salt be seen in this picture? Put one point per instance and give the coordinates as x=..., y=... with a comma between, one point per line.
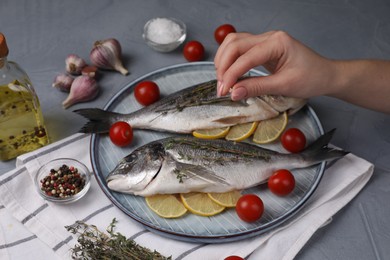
x=163, y=31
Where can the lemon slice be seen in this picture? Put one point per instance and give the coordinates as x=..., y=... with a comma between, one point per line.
x=211, y=133
x=200, y=204
x=269, y=130
x=241, y=132
x=166, y=205
x=226, y=199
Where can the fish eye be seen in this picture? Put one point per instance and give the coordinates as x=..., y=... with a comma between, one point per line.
x=131, y=158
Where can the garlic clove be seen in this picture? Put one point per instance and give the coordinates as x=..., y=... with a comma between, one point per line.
x=89, y=71
x=74, y=64
x=63, y=82
x=106, y=54
x=83, y=89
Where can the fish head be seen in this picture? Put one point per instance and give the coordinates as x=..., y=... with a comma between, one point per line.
x=135, y=171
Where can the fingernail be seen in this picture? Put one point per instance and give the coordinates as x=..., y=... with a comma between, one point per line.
x=239, y=93
x=219, y=88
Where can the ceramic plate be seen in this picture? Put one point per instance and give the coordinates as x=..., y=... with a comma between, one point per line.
x=226, y=226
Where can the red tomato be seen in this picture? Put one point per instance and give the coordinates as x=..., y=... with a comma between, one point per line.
x=282, y=182
x=293, y=140
x=146, y=92
x=193, y=51
x=223, y=30
x=234, y=257
x=121, y=133
x=249, y=207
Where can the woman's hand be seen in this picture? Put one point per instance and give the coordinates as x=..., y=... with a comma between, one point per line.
x=298, y=71
x=295, y=69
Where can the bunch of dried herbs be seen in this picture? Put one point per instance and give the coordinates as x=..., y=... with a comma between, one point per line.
x=95, y=244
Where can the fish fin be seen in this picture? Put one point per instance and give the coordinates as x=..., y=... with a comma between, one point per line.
x=99, y=120
x=230, y=120
x=319, y=151
x=197, y=171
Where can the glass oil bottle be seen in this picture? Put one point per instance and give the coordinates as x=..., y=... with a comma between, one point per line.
x=21, y=122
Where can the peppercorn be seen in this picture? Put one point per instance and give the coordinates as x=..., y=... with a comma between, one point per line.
x=63, y=183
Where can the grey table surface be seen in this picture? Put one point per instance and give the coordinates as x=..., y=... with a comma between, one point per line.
x=41, y=33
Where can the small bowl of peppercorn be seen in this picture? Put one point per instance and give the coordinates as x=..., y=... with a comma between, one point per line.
x=63, y=180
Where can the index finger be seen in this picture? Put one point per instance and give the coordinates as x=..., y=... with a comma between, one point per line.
x=242, y=55
x=231, y=37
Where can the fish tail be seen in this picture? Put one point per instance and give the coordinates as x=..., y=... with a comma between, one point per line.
x=319, y=151
x=99, y=120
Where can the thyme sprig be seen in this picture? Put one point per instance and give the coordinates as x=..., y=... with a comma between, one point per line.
x=208, y=159
x=180, y=175
x=95, y=244
x=203, y=94
x=198, y=145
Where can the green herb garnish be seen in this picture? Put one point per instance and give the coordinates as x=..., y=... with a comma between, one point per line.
x=95, y=244
x=180, y=175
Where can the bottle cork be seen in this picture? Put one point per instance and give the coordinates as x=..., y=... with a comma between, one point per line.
x=3, y=46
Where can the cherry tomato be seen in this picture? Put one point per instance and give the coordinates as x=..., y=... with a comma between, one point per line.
x=223, y=30
x=282, y=182
x=293, y=140
x=193, y=51
x=249, y=207
x=146, y=92
x=234, y=257
x=121, y=133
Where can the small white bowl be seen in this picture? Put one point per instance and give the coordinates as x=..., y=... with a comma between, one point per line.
x=158, y=40
x=56, y=164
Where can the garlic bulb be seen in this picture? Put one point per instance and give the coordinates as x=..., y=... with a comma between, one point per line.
x=63, y=82
x=106, y=54
x=74, y=64
x=83, y=89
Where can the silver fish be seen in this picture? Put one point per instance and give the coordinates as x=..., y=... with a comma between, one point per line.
x=193, y=108
x=186, y=164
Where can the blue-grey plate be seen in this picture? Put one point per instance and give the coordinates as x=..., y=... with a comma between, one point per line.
x=224, y=227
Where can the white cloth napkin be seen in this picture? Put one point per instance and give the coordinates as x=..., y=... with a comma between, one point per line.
x=31, y=228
